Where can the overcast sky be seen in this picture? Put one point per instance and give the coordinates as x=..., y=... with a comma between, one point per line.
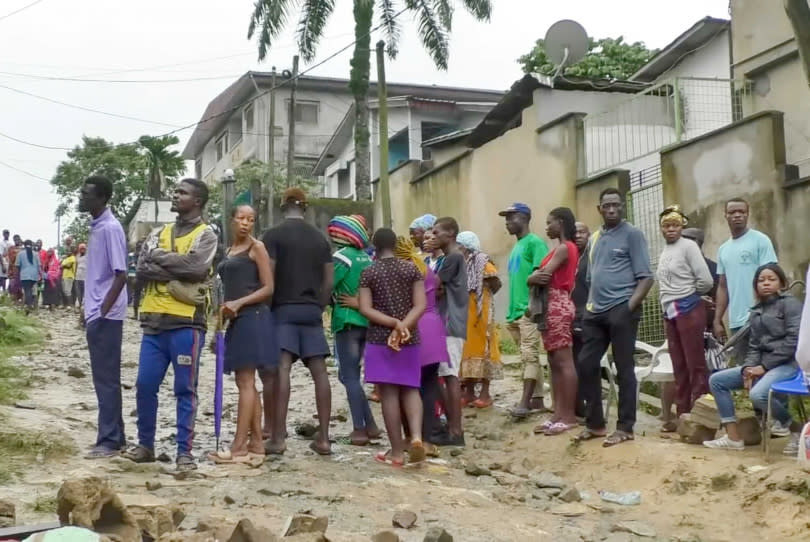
x=151, y=40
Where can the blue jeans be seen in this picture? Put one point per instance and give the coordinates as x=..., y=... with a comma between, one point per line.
x=722, y=383
x=104, y=343
x=181, y=348
x=29, y=286
x=349, y=345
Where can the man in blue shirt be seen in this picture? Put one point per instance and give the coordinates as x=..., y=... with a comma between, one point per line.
x=620, y=277
x=737, y=262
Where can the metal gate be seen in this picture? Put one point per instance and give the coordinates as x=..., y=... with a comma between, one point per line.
x=645, y=201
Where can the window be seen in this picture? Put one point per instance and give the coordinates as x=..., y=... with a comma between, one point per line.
x=222, y=146
x=306, y=112
x=249, y=116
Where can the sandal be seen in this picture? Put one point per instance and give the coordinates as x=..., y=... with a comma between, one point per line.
x=139, y=454
x=431, y=450
x=482, y=403
x=417, y=452
x=385, y=458
x=318, y=450
x=558, y=428
x=519, y=413
x=225, y=457
x=588, y=434
x=617, y=437
x=543, y=427
x=669, y=427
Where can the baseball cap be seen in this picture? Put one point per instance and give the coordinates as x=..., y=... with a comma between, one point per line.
x=517, y=208
x=294, y=195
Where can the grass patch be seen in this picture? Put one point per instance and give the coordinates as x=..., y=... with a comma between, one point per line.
x=20, y=447
x=44, y=505
x=18, y=334
x=507, y=344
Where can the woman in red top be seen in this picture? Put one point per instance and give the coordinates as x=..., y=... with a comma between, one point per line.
x=556, y=272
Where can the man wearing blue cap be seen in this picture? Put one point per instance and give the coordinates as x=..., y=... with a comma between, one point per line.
x=526, y=256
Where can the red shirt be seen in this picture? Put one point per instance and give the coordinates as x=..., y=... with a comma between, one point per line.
x=564, y=276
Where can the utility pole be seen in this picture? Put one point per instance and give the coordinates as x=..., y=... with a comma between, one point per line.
x=291, y=145
x=269, y=193
x=382, y=93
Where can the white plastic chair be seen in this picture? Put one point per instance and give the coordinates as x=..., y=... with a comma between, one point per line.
x=659, y=370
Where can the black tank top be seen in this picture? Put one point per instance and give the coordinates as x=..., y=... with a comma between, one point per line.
x=240, y=275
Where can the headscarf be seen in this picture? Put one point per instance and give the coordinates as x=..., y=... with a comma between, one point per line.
x=476, y=263
x=406, y=250
x=424, y=222
x=348, y=231
x=54, y=269
x=673, y=212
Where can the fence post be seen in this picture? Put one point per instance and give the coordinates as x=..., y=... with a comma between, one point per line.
x=678, y=111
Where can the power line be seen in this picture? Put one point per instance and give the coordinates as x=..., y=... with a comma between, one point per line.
x=82, y=80
x=34, y=144
x=32, y=4
x=34, y=175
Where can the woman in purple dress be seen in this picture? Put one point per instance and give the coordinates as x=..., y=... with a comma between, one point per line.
x=433, y=345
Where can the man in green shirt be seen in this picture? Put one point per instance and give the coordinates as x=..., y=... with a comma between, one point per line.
x=525, y=257
x=349, y=235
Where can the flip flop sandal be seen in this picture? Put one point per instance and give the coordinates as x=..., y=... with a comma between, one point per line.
x=558, y=428
x=480, y=403
x=384, y=458
x=543, y=427
x=519, y=413
x=587, y=434
x=669, y=427
x=225, y=457
x=139, y=454
x=432, y=450
x=617, y=437
x=417, y=452
x=320, y=451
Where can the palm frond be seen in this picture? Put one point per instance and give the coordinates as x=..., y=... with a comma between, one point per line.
x=391, y=27
x=480, y=9
x=431, y=32
x=314, y=15
x=269, y=17
x=445, y=8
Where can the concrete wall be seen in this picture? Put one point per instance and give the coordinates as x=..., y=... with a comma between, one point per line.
x=746, y=159
x=757, y=25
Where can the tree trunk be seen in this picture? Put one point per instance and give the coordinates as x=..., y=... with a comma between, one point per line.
x=358, y=83
x=798, y=11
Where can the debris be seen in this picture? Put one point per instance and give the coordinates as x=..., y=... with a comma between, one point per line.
x=455, y=452
x=127, y=385
x=91, y=503
x=495, y=466
x=75, y=372
x=570, y=495
x=725, y=481
x=229, y=500
x=164, y=458
x=753, y=469
x=570, y=510
x=306, y=430
x=26, y=405
x=637, y=528
x=305, y=523
x=245, y=531
x=133, y=413
x=437, y=534
x=630, y=498
x=692, y=432
x=385, y=536
x=155, y=516
x=153, y=485
x=474, y=470
x=404, y=519
x=546, y=479
x=8, y=513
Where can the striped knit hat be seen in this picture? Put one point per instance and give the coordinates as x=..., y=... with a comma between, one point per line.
x=348, y=231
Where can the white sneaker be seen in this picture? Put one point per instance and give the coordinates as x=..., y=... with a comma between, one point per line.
x=792, y=447
x=779, y=430
x=725, y=443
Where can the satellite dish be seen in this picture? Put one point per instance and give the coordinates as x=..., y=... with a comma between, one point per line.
x=566, y=43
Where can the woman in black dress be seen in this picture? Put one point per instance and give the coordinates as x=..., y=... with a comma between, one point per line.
x=249, y=342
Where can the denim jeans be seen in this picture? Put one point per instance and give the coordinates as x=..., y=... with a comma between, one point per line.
x=349, y=346
x=722, y=383
x=29, y=287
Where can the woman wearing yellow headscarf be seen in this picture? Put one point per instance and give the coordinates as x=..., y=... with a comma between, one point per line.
x=683, y=277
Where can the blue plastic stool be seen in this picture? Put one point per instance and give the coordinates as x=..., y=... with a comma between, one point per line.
x=798, y=385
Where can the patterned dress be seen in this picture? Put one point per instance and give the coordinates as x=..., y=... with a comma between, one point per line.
x=481, y=359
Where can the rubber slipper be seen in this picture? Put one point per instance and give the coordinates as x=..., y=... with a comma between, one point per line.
x=320, y=451
x=480, y=403
x=543, y=427
x=558, y=428
x=617, y=437
x=431, y=450
x=587, y=434
x=225, y=457
x=519, y=413
x=417, y=452
x=384, y=458
x=669, y=427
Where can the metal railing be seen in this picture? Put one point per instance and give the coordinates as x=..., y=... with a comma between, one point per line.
x=671, y=111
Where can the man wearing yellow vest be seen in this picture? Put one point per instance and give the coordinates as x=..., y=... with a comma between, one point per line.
x=174, y=267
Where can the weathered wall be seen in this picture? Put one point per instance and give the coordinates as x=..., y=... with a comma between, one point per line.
x=746, y=159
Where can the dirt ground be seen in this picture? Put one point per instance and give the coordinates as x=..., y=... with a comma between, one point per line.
x=688, y=493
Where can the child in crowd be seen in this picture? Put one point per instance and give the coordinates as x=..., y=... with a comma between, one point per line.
x=392, y=298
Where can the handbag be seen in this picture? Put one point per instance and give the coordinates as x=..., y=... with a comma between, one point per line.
x=716, y=359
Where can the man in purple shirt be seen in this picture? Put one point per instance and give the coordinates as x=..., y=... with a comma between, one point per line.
x=105, y=307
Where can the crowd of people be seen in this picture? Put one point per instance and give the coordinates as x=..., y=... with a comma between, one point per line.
x=35, y=277
x=414, y=315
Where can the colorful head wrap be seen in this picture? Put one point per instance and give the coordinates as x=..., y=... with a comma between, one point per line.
x=673, y=212
x=424, y=222
x=406, y=250
x=469, y=240
x=348, y=231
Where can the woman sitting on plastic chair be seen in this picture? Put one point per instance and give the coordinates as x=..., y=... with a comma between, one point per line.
x=771, y=358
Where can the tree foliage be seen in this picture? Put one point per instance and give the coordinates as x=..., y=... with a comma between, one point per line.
x=607, y=58
x=126, y=165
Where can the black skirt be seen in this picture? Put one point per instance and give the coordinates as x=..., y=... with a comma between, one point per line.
x=250, y=341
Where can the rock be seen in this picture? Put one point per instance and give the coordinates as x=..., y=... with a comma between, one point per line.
x=638, y=528
x=164, y=458
x=725, y=481
x=155, y=516
x=26, y=405
x=8, y=513
x=437, y=534
x=570, y=495
x=245, y=531
x=455, y=452
x=474, y=470
x=133, y=413
x=619, y=537
x=75, y=372
x=306, y=430
x=215, y=527
x=692, y=432
x=91, y=503
x=404, y=519
x=385, y=536
x=495, y=466
x=570, y=510
x=546, y=479
x=749, y=429
x=549, y=492
x=229, y=500
x=127, y=385
x=153, y=485
x=305, y=523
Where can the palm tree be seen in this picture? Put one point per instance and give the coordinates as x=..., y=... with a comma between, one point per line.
x=160, y=162
x=435, y=18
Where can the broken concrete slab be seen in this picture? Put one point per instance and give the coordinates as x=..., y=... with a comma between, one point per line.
x=305, y=523
x=437, y=534
x=92, y=504
x=404, y=519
